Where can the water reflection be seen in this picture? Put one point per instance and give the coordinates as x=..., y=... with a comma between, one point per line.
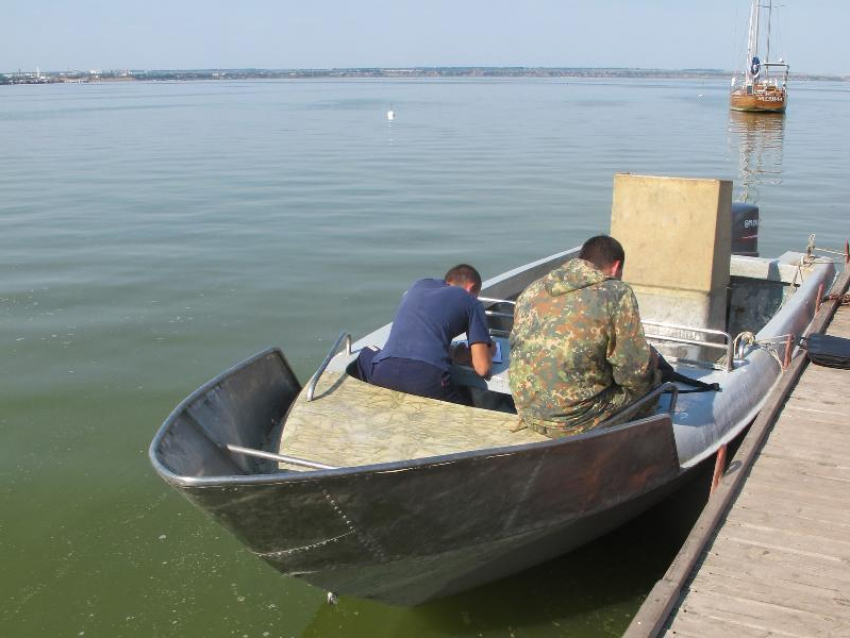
x=757, y=140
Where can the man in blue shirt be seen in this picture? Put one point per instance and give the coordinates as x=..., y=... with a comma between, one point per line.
x=418, y=353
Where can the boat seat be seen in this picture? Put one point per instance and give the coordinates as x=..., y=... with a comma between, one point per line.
x=352, y=423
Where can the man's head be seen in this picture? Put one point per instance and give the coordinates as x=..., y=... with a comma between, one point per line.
x=466, y=277
x=605, y=253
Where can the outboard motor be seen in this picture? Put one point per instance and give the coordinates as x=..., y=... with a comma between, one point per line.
x=745, y=229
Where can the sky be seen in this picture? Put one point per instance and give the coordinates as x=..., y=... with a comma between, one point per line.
x=55, y=35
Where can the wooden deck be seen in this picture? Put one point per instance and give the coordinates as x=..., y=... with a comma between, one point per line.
x=770, y=555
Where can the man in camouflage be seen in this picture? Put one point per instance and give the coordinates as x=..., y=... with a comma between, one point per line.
x=578, y=351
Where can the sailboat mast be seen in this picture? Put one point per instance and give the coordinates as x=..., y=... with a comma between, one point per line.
x=767, y=42
x=752, y=39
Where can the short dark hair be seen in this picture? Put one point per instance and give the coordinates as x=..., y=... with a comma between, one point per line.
x=602, y=251
x=463, y=274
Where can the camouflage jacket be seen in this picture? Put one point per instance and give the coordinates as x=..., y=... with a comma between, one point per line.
x=578, y=351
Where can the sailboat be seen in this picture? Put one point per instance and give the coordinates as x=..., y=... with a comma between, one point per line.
x=762, y=87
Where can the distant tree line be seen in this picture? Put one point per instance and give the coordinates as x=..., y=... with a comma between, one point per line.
x=453, y=72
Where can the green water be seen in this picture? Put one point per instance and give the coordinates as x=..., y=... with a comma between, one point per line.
x=152, y=235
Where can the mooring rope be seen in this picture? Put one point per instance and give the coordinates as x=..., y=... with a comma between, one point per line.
x=769, y=344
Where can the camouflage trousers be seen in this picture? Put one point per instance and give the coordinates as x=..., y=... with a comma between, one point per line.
x=608, y=405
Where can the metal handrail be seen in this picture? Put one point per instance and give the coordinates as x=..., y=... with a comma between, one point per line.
x=727, y=346
x=291, y=460
x=498, y=313
x=494, y=300
x=311, y=386
x=630, y=409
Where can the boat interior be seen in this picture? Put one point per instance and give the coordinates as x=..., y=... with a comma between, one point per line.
x=338, y=416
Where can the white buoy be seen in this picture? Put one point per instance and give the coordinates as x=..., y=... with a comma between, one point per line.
x=390, y=115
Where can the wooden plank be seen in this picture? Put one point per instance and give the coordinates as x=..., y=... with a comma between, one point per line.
x=833, y=446
x=825, y=372
x=810, y=431
x=792, y=517
x=811, y=476
x=804, y=545
x=815, y=437
x=810, y=456
x=841, y=322
x=822, y=390
x=808, y=427
x=821, y=384
x=802, y=412
x=822, y=387
x=829, y=530
x=811, y=423
x=692, y=624
x=748, y=615
x=812, y=435
x=826, y=399
x=794, y=468
x=823, y=397
x=754, y=562
x=841, y=328
x=769, y=481
x=814, y=599
x=831, y=505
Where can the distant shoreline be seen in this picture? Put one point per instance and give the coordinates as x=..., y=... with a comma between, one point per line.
x=128, y=75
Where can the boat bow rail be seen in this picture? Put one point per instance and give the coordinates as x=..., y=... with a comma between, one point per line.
x=344, y=337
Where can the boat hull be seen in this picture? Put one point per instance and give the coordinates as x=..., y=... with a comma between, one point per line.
x=758, y=102
x=432, y=564
x=406, y=533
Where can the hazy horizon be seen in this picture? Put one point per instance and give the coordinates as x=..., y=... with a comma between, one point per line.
x=261, y=34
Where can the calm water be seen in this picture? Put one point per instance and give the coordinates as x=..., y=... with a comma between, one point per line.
x=152, y=235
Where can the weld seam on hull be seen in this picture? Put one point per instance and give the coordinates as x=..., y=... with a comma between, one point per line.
x=528, y=485
x=364, y=539
x=304, y=548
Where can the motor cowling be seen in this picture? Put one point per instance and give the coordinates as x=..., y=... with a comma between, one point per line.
x=745, y=229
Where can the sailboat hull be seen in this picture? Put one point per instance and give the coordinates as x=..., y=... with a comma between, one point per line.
x=759, y=101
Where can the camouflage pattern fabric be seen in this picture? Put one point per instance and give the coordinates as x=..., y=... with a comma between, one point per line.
x=578, y=350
